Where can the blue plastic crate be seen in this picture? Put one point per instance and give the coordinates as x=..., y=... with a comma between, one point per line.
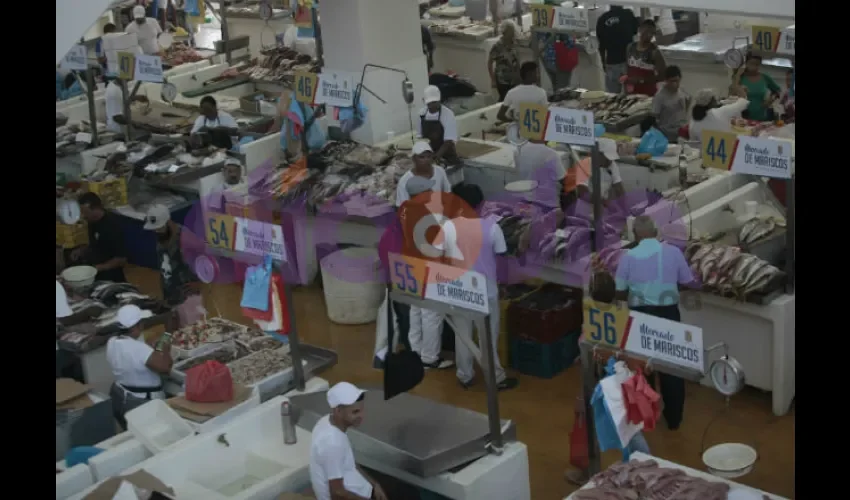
x=531, y=357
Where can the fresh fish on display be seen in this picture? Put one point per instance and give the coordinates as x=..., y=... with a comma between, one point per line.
x=758, y=228
x=86, y=304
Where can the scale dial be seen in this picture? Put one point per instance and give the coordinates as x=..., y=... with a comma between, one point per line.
x=591, y=45
x=169, y=92
x=206, y=268
x=265, y=11
x=69, y=211
x=727, y=375
x=733, y=59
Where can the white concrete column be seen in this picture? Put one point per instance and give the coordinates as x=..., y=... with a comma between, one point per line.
x=384, y=32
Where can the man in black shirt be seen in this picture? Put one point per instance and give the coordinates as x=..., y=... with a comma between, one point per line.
x=615, y=30
x=106, y=250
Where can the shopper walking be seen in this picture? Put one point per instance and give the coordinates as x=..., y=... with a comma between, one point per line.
x=615, y=30
x=136, y=366
x=477, y=255
x=333, y=472
x=106, y=250
x=645, y=65
x=670, y=105
x=503, y=60
x=529, y=93
x=180, y=285
x=438, y=126
x=649, y=276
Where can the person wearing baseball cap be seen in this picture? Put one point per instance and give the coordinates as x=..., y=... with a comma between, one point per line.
x=438, y=126
x=180, y=285
x=708, y=114
x=577, y=180
x=333, y=472
x=135, y=365
x=147, y=31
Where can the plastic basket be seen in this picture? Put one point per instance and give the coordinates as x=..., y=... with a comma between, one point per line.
x=352, y=285
x=71, y=235
x=112, y=192
x=543, y=360
x=525, y=320
x=157, y=426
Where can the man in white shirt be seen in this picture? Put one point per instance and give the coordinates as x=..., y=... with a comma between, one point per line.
x=221, y=126
x=135, y=365
x=114, y=101
x=333, y=472
x=438, y=126
x=540, y=163
x=147, y=31
x=529, y=92
x=423, y=166
x=612, y=182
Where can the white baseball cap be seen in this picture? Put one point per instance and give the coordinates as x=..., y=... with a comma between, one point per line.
x=157, y=217
x=343, y=394
x=421, y=147
x=432, y=94
x=704, y=97
x=138, y=12
x=608, y=147
x=130, y=315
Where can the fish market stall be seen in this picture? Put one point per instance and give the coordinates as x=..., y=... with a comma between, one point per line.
x=88, y=340
x=619, y=113
x=701, y=59
x=180, y=53
x=244, y=20
x=629, y=479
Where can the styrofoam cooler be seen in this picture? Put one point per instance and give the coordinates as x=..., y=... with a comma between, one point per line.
x=157, y=426
x=115, y=460
x=73, y=480
x=353, y=285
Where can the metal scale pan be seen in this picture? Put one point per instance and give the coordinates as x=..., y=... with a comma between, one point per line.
x=411, y=433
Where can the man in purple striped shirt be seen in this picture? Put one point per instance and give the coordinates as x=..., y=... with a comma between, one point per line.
x=649, y=277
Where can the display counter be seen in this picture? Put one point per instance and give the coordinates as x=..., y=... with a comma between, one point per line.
x=261, y=33
x=700, y=58
x=695, y=473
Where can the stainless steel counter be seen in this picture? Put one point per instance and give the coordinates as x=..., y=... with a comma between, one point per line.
x=410, y=432
x=710, y=47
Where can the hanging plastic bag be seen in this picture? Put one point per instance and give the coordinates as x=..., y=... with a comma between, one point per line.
x=612, y=393
x=279, y=323
x=653, y=142
x=643, y=404
x=210, y=382
x=255, y=291
x=352, y=118
x=566, y=56
x=578, y=439
x=256, y=314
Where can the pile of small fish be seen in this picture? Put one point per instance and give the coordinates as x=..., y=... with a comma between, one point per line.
x=66, y=137
x=728, y=270
x=211, y=330
x=259, y=365
x=515, y=221
x=111, y=293
x=572, y=242
x=279, y=64
x=757, y=228
x=618, y=107
x=645, y=480
x=180, y=53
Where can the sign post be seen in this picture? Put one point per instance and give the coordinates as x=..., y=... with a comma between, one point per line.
x=457, y=292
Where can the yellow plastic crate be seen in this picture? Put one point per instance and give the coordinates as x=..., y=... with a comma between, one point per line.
x=112, y=192
x=71, y=236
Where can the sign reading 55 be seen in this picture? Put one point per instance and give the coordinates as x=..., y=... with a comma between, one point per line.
x=718, y=149
x=407, y=274
x=605, y=323
x=532, y=121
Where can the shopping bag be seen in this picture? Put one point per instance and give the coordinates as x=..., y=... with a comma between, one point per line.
x=653, y=142
x=381, y=329
x=279, y=322
x=255, y=290
x=402, y=370
x=612, y=393
x=578, y=442
x=257, y=314
x=209, y=382
x=566, y=56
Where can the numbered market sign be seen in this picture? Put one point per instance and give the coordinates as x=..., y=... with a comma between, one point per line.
x=615, y=326
x=561, y=18
x=305, y=87
x=220, y=231
x=563, y=125
x=76, y=59
x=438, y=282
x=336, y=88
x=148, y=68
x=126, y=65
x=259, y=238
x=773, y=40
x=747, y=155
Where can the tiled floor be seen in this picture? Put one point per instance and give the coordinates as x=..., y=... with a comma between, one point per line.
x=543, y=409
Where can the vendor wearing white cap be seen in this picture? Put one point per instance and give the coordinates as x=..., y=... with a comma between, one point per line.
x=147, y=31
x=333, y=471
x=708, y=114
x=136, y=366
x=612, y=184
x=437, y=125
x=180, y=285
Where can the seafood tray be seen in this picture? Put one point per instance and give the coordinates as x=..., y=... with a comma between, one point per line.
x=224, y=353
x=730, y=272
x=188, y=339
x=262, y=343
x=250, y=335
x=260, y=365
x=646, y=480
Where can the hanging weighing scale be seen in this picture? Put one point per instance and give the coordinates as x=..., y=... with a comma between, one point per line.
x=735, y=57
x=727, y=460
x=591, y=45
x=265, y=12
x=68, y=211
x=168, y=92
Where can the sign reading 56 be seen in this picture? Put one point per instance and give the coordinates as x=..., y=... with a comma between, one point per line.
x=532, y=121
x=605, y=324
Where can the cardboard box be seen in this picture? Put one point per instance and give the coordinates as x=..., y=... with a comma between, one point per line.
x=71, y=394
x=252, y=102
x=140, y=480
x=201, y=412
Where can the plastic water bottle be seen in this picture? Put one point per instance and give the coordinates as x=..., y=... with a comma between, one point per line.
x=289, y=436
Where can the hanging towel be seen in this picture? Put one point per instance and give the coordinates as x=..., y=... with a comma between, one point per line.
x=642, y=403
x=298, y=115
x=279, y=323
x=612, y=392
x=255, y=291
x=606, y=432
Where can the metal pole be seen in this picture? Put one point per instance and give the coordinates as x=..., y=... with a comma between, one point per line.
x=92, y=111
x=790, y=231
x=294, y=345
x=488, y=356
x=518, y=13
x=317, y=34
x=588, y=383
x=596, y=197
x=128, y=132
x=225, y=34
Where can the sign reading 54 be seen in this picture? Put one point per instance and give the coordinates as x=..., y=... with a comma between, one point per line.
x=220, y=231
